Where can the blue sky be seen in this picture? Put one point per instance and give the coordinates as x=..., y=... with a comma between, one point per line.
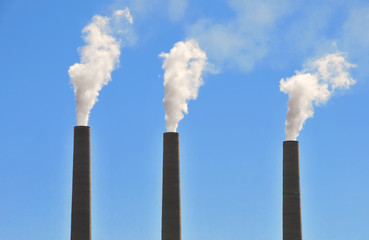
x=231, y=140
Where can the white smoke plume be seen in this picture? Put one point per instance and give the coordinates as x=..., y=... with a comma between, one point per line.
x=183, y=67
x=313, y=86
x=99, y=57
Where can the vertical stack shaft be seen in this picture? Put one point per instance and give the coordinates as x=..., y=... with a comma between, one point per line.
x=292, y=229
x=171, y=205
x=81, y=194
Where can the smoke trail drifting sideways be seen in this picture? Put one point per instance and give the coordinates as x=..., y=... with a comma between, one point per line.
x=313, y=86
x=183, y=66
x=99, y=57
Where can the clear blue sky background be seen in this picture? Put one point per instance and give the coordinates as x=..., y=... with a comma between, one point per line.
x=231, y=140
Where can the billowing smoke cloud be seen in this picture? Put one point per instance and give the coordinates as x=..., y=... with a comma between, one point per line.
x=183, y=66
x=99, y=57
x=313, y=86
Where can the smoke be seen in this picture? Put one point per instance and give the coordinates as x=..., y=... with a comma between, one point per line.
x=313, y=86
x=183, y=66
x=99, y=57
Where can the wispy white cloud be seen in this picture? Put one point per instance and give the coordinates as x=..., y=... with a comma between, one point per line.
x=122, y=26
x=118, y=14
x=177, y=9
x=355, y=33
x=141, y=9
x=244, y=39
x=304, y=32
x=268, y=30
x=316, y=29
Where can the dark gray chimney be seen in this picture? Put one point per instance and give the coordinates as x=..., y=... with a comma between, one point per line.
x=81, y=194
x=171, y=206
x=292, y=229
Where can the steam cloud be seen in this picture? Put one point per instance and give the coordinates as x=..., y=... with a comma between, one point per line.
x=99, y=57
x=313, y=86
x=183, y=66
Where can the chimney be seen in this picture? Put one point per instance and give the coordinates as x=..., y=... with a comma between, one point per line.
x=171, y=205
x=81, y=194
x=292, y=229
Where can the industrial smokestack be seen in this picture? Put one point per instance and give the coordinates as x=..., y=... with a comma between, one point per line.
x=81, y=194
x=292, y=229
x=171, y=208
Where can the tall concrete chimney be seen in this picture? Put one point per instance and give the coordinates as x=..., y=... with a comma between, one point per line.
x=292, y=229
x=81, y=194
x=171, y=205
